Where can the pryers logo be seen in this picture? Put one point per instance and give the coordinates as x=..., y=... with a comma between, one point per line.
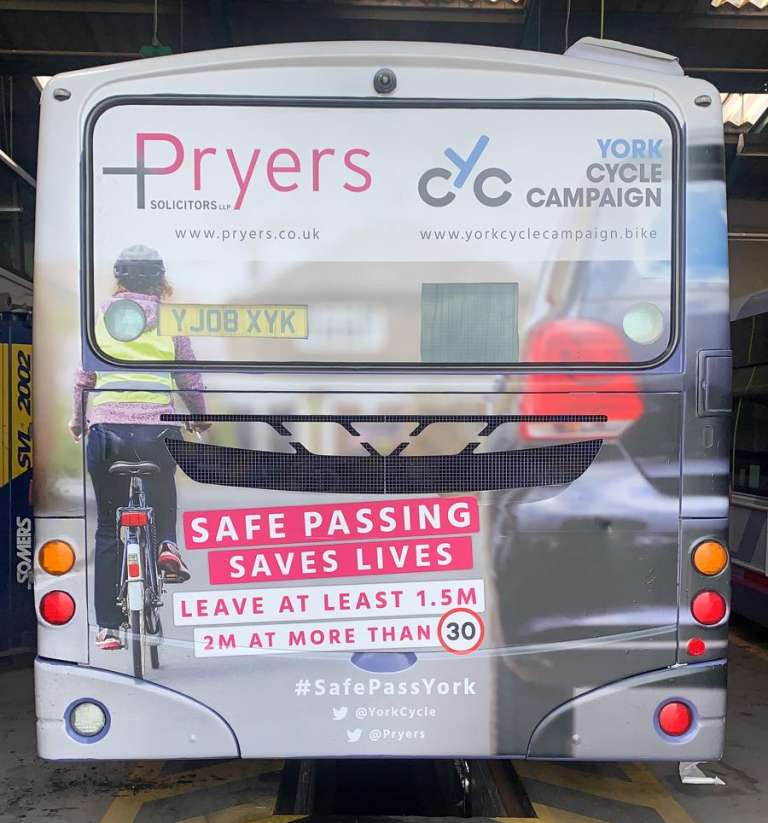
x=485, y=183
x=277, y=169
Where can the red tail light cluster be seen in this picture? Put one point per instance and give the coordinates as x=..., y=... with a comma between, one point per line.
x=709, y=608
x=56, y=558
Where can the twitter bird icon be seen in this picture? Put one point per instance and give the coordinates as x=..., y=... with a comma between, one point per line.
x=340, y=713
x=353, y=735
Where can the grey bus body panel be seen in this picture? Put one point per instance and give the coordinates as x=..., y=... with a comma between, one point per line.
x=617, y=522
x=605, y=720
x=144, y=719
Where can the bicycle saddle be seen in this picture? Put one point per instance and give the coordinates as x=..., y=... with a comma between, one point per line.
x=141, y=467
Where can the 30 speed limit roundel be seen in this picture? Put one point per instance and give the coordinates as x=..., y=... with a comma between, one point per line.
x=461, y=631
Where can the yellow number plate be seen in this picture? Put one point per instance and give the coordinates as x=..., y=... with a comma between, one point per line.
x=233, y=321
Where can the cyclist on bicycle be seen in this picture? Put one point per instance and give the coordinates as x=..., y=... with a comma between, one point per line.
x=127, y=425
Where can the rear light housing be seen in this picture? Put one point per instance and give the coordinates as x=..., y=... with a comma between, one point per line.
x=56, y=557
x=709, y=608
x=134, y=518
x=57, y=608
x=675, y=718
x=573, y=340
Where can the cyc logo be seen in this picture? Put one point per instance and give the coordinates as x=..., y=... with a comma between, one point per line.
x=465, y=169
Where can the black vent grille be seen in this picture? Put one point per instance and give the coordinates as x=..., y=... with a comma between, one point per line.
x=348, y=421
x=376, y=474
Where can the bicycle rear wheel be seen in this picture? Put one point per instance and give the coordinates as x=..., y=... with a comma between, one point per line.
x=154, y=654
x=137, y=644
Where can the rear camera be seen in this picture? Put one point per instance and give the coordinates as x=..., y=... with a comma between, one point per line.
x=384, y=81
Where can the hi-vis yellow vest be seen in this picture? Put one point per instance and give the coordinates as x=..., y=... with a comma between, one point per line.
x=133, y=386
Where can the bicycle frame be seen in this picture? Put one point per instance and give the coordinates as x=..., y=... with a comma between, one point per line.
x=138, y=564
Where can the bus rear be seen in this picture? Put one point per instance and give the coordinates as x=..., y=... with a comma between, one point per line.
x=382, y=400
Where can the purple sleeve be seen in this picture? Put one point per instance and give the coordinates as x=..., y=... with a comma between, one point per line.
x=83, y=380
x=191, y=382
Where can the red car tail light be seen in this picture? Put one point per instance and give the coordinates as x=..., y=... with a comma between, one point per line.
x=575, y=340
x=675, y=718
x=57, y=608
x=709, y=608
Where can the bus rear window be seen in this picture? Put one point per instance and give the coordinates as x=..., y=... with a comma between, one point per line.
x=271, y=234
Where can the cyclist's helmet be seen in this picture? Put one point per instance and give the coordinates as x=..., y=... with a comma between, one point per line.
x=139, y=267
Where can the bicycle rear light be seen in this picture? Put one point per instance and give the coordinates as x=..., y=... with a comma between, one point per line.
x=131, y=518
x=125, y=320
x=56, y=557
x=57, y=608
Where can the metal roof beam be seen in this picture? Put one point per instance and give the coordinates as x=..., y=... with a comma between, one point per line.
x=90, y=6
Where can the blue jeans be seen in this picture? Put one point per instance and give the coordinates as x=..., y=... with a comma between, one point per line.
x=108, y=442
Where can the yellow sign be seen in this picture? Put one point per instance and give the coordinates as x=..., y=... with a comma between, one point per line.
x=21, y=413
x=265, y=321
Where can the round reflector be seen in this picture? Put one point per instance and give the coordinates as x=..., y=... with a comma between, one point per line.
x=57, y=608
x=125, y=320
x=88, y=719
x=696, y=647
x=710, y=557
x=56, y=557
x=709, y=608
x=675, y=718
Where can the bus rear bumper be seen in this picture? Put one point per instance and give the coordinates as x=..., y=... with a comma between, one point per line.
x=144, y=720
x=618, y=722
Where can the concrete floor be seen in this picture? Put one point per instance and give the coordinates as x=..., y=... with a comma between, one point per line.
x=34, y=791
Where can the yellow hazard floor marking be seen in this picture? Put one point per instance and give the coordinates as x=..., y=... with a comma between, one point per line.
x=642, y=789
x=244, y=813
x=127, y=804
x=743, y=643
x=277, y=818
x=548, y=814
